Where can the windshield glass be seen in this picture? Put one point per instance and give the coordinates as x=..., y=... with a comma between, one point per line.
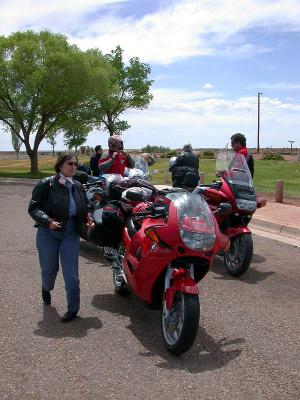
x=193, y=212
x=234, y=168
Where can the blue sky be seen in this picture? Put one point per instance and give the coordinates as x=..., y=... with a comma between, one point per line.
x=209, y=59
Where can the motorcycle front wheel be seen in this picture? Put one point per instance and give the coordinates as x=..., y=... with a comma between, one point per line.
x=180, y=324
x=120, y=285
x=238, y=258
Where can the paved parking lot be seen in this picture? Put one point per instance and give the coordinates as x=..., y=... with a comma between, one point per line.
x=247, y=345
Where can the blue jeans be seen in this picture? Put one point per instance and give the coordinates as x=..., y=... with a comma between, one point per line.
x=63, y=244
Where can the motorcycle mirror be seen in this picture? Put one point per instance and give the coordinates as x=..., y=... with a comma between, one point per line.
x=223, y=209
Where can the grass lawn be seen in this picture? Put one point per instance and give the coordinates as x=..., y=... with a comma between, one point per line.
x=265, y=177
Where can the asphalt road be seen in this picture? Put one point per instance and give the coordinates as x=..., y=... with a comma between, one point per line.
x=247, y=345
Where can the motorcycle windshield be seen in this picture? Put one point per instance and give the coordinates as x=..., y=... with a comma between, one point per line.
x=234, y=170
x=142, y=165
x=195, y=220
x=108, y=179
x=136, y=172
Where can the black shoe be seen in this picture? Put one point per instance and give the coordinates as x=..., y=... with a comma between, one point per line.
x=68, y=316
x=46, y=295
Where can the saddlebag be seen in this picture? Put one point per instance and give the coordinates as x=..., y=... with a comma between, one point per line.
x=109, y=222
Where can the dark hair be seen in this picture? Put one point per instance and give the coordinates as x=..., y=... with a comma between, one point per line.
x=238, y=138
x=98, y=147
x=62, y=158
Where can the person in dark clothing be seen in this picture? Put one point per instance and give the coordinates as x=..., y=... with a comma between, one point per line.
x=94, y=161
x=184, y=163
x=238, y=144
x=59, y=207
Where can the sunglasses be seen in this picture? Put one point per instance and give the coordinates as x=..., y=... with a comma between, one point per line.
x=72, y=164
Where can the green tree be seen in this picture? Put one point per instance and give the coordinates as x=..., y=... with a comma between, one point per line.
x=43, y=78
x=128, y=88
x=51, y=139
x=16, y=143
x=76, y=134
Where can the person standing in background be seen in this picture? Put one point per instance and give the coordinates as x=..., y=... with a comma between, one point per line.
x=116, y=159
x=184, y=163
x=94, y=161
x=238, y=144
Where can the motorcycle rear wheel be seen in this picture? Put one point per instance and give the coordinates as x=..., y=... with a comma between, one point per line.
x=180, y=324
x=238, y=259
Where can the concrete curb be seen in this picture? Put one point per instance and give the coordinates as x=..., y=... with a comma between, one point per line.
x=275, y=227
x=18, y=181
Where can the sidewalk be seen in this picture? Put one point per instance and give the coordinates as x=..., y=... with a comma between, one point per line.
x=275, y=221
x=279, y=222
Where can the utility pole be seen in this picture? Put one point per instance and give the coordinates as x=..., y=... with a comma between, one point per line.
x=258, y=119
x=291, y=141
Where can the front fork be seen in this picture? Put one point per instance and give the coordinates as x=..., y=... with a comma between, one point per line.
x=117, y=264
x=178, y=279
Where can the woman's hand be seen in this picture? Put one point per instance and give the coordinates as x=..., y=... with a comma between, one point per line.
x=54, y=225
x=90, y=224
x=115, y=154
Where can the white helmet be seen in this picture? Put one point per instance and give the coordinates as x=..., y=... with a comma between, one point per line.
x=172, y=161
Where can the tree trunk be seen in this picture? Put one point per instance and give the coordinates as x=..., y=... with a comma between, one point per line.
x=110, y=125
x=34, y=162
x=17, y=155
x=53, y=153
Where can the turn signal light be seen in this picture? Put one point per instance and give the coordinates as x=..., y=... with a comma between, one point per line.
x=150, y=232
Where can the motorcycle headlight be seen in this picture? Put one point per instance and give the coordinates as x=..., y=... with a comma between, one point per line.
x=197, y=241
x=248, y=205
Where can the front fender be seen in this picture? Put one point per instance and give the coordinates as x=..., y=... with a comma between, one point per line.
x=182, y=282
x=232, y=232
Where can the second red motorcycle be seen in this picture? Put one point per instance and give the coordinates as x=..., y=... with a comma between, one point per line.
x=236, y=188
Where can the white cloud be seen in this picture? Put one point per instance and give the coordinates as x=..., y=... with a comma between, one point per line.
x=207, y=86
x=181, y=29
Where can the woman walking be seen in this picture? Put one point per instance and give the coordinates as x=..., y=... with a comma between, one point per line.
x=58, y=206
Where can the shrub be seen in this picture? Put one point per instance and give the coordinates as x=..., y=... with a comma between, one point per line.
x=172, y=153
x=275, y=157
x=208, y=154
x=154, y=149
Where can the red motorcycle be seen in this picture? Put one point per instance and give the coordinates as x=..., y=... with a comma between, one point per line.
x=169, y=242
x=236, y=188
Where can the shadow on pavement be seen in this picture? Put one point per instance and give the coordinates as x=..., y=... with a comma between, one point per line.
x=52, y=327
x=205, y=354
x=93, y=253
x=252, y=276
x=257, y=259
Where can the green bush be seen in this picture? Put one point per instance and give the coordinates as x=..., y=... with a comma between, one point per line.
x=172, y=153
x=154, y=149
x=208, y=154
x=275, y=157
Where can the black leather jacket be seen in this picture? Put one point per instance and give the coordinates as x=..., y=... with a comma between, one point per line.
x=50, y=200
x=186, y=162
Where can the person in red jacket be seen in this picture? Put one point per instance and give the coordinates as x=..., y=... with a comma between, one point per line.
x=238, y=144
x=116, y=159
